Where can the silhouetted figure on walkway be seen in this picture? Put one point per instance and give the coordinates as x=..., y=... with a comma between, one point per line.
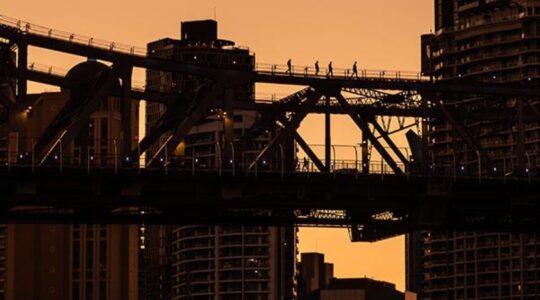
x=306, y=164
x=317, y=68
x=330, y=70
x=354, y=70
x=289, y=67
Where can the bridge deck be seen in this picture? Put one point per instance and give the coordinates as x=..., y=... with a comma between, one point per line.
x=183, y=197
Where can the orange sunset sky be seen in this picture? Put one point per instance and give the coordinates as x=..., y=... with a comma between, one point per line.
x=379, y=34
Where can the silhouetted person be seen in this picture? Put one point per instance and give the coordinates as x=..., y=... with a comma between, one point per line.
x=289, y=66
x=306, y=164
x=354, y=70
x=330, y=70
x=317, y=68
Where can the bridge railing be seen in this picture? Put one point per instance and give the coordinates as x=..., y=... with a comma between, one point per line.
x=26, y=27
x=339, y=73
x=73, y=156
x=109, y=154
x=47, y=69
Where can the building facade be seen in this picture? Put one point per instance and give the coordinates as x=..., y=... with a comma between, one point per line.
x=488, y=41
x=213, y=262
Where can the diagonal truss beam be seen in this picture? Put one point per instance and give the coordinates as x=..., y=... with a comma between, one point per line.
x=75, y=114
x=275, y=111
x=302, y=143
x=464, y=134
x=195, y=113
x=385, y=135
x=294, y=123
x=363, y=125
x=171, y=119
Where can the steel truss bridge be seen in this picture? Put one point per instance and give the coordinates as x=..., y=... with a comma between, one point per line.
x=408, y=191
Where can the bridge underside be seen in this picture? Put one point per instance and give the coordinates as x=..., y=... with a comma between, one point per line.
x=374, y=206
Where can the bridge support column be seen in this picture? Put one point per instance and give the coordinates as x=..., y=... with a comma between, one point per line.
x=127, y=134
x=520, y=143
x=327, y=135
x=22, y=64
x=365, y=153
x=17, y=110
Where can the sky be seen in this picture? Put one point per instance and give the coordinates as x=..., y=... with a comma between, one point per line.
x=379, y=34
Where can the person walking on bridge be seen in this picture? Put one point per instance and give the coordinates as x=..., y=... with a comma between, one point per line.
x=289, y=66
x=330, y=70
x=354, y=71
x=317, y=68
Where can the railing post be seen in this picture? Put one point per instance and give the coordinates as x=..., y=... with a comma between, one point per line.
x=382, y=168
x=138, y=158
x=528, y=166
x=334, y=157
x=232, y=160
x=166, y=161
x=356, y=161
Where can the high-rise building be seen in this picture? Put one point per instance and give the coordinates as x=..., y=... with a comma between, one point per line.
x=231, y=262
x=213, y=262
x=314, y=274
x=489, y=41
x=79, y=261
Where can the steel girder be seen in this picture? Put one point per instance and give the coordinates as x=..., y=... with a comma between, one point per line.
x=195, y=113
x=363, y=125
x=385, y=136
x=174, y=115
x=273, y=112
x=75, y=114
x=296, y=118
x=302, y=143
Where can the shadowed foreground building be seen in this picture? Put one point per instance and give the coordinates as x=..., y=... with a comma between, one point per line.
x=493, y=41
x=212, y=262
x=359, y=289
x=314, y=274
x=58, y=261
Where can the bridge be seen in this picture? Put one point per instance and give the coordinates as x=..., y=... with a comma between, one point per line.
x=403, y=191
